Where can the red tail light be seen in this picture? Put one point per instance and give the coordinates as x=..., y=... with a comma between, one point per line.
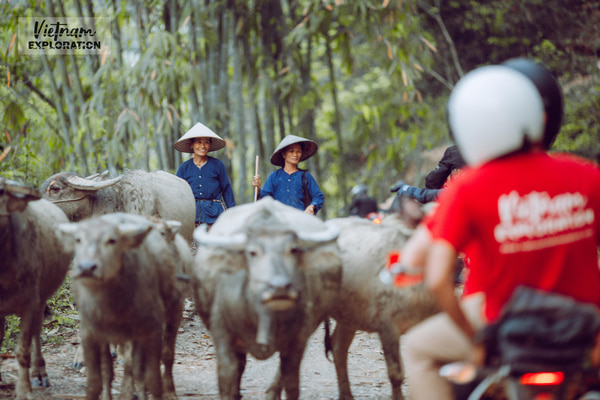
x=543, y=378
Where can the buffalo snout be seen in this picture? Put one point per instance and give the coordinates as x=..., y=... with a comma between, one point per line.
x=86, y=269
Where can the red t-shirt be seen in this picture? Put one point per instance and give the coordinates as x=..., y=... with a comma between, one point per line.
x=528, y=219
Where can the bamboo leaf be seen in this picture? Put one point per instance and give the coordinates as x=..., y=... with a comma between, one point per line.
x=185, y=22
x=8, y=77
x=7, y=136
x=385, y=3
x=389, y=50
x=428, y=44
x=12, y=42
x=404, y=78
x=4, y=153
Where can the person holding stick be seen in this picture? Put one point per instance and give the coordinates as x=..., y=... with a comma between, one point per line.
x=206, y=175
x=291, y=185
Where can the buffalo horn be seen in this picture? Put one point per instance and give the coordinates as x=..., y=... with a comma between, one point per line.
x=17, y=188
x=80, y=183
x=98, y=176
x=236, y=241
x=316, y=238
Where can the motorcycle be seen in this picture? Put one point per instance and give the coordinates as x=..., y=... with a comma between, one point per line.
x=539, y=349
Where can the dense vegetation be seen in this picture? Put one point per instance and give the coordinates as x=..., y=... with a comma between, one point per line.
x=367, y=79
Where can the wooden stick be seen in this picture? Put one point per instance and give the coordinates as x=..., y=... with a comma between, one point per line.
x=256, y=173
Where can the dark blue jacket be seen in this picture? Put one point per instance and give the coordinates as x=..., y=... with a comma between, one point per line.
x=288, y=189
x=208, y=183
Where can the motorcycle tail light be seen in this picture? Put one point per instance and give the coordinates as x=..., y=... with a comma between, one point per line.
x=542, y=378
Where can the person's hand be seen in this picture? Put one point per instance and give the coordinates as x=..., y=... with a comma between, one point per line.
x=310, y=209
x=397, y=186
x=256, y=181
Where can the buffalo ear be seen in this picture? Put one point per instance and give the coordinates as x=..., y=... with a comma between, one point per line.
x=66, y=233
x=173, y=226
x=133, y=234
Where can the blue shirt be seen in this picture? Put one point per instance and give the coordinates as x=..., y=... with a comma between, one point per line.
x=208, y=183
x=288, y=189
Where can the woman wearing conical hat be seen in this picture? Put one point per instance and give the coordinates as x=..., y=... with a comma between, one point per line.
x=290, y=184
x=206, y=175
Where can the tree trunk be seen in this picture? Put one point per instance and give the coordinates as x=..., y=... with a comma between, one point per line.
x=59, y=110
x=237, y=88
x=336, y=122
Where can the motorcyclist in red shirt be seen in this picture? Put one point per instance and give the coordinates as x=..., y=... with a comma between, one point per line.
x=523, y=217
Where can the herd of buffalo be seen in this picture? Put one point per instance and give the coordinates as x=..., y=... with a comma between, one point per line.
x=264, y=277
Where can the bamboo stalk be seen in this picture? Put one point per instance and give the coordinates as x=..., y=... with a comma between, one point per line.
x=255, y=174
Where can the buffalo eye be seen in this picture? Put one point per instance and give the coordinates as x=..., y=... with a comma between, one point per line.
x=54, y=188
x=111, y=241
x=252, y=251
x=295, y=250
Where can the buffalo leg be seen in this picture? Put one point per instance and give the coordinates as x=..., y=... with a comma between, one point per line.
x=127, y=384
x=290, y=370
x=341, y=340
x=230, y=367
x=168, y=353
x=274, y=390
x=30, y=322
x=106, y=368
x=38, y=374
x=390, y=343
x=152, y=352
x=92, y=353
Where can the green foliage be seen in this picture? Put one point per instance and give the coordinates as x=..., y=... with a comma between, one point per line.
x=580, y=133
x=392, y=68
x=63, y=318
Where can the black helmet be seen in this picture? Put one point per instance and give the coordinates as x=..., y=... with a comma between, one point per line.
x=550, y=91
x=358, y=190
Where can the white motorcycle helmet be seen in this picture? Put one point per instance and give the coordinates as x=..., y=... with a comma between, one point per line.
x=493, y=111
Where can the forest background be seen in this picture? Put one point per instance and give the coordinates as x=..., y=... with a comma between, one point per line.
x=367, y=79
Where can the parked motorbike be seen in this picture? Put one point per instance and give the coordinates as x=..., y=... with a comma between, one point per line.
x=539, y=349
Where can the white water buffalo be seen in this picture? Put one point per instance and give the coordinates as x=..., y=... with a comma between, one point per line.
x=265, y=276
x=365, y=303
x=126, y=287
x=33, y=264
x=158, y=194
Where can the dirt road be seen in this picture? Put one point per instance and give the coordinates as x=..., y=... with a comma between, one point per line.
x=195, y=369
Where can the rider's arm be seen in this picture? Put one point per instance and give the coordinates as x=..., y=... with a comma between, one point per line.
x=439, y=278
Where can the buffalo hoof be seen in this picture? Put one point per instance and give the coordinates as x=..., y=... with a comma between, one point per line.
x=38, y=382
x=78, y=365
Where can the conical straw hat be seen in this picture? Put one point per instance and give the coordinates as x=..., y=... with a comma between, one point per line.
x=309, y=148
x=184, y=144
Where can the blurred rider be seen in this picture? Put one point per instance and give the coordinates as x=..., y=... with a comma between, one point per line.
x=523, y=217
x=362, y=204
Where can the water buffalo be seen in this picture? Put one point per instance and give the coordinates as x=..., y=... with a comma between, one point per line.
x=158, y=194
x=126, y=287
x=365, y=303
x=33, y=264
x=265, y=276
